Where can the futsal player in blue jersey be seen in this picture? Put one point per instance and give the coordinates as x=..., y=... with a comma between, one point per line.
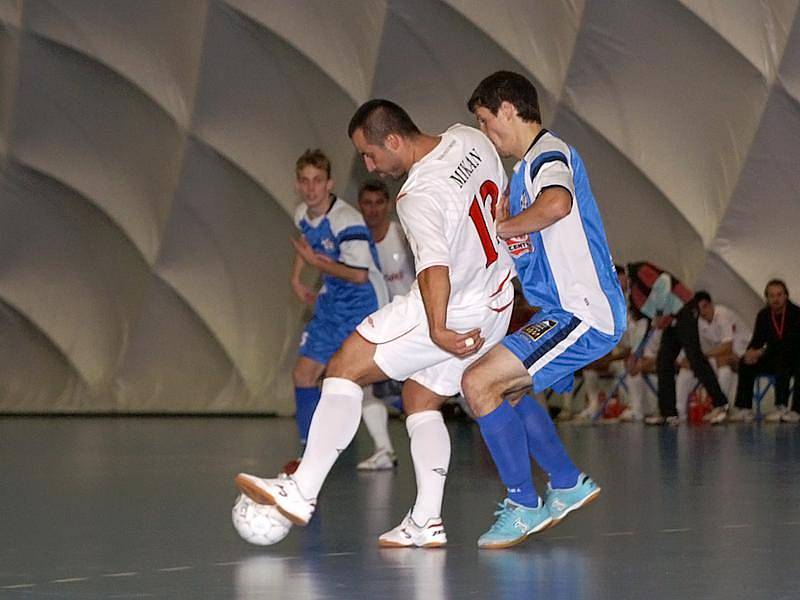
x=336, y=242
x=553, y=230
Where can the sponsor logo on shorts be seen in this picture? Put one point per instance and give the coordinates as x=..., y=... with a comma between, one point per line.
x=537, y=330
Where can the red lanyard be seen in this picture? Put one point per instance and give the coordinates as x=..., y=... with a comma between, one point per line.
x=778, y=330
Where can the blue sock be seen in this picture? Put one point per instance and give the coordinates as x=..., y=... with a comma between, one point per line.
x=545, y=446
x=306, y=399
x=504, y=434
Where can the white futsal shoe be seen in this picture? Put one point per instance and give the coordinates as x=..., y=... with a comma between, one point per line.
x=408, y=533
x=382, y=460
x=776, y=415
x=740, y=415
x=281, y=492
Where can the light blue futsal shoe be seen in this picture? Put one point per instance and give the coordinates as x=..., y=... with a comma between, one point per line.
x=514, y=524
x=561, y=502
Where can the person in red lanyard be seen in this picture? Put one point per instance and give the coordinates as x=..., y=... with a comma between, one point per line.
x=773, y=350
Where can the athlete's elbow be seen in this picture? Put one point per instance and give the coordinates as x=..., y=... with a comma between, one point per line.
x=361, y=276
x=562, y=207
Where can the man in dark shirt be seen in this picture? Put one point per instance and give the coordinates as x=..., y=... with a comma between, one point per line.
x=774, y=350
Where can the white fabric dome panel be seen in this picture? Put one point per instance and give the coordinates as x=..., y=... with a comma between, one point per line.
x=147, y=156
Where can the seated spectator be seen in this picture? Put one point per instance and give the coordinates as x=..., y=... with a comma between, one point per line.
x=723, y=340
x=640, y=363
x=774, y=350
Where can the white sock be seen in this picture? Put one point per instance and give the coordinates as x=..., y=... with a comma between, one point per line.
x=333, y=427
x=376, y=418
x=430, y=452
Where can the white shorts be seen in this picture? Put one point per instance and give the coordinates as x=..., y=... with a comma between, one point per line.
x=405, y=350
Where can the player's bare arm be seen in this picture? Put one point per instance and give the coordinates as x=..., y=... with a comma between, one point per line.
x=552, y=205
x=302, y=291
x=327, y=266
x=434, y=285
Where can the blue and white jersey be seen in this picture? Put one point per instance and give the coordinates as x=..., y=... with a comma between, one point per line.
x=567, y=265
x=342, y=236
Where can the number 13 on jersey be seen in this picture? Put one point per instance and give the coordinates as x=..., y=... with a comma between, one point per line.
x=477, y=212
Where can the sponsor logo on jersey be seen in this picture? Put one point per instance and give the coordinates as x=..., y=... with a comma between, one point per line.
x=519, y=245
x=396, y=276
x=537, y=330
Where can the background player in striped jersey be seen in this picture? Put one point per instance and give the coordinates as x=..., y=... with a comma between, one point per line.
x=553, y=229
x=458, y=307
x=398, y=271
x=336, y=242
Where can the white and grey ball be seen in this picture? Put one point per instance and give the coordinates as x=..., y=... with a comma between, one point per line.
x=259, y=524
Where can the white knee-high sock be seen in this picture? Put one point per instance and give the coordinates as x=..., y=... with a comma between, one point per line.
x=430, y=452
x=333, y=427
x=376, y=418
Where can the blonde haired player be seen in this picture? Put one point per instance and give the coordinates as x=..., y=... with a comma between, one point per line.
x=457, y=309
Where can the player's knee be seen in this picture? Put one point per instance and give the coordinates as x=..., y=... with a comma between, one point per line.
x=477, y=388
x=347, y=363
x=302, y=377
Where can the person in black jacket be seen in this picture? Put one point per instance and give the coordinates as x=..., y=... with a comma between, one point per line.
x=773, y=350
x=671, y=307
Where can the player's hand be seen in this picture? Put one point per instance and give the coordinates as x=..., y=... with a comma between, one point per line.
x=502, y=213
x=304, y=293
x=458, y=344
x=752, y=355
x=663, y=321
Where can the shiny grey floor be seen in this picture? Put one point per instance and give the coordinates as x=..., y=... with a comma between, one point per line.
x=140, y=508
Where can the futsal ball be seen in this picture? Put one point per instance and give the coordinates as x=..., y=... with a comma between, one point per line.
x=259, y=524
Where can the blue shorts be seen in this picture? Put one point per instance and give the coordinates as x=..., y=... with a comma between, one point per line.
x=554, y=344
x=322, y=337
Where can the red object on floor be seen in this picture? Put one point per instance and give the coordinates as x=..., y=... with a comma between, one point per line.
x=614, y=407
x=698, y=407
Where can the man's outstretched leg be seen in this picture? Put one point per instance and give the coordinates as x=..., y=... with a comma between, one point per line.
x=567, y=489
x=333, y=427
x=485, y=384
x=430, y=452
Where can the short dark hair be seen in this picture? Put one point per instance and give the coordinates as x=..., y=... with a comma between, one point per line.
x=507, y=86
x=378, y=118
x=373, y=185
x=619, y=269
x=315, y=158
x=779, y=282
x=702, y=295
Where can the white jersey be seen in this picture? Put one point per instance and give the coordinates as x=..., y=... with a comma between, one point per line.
x=725, y=326
x=396, y=262
x=446, y=210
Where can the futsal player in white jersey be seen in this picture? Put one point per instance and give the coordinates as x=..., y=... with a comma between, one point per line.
x=398, y=271
x=458, y=308
x=553, y=229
